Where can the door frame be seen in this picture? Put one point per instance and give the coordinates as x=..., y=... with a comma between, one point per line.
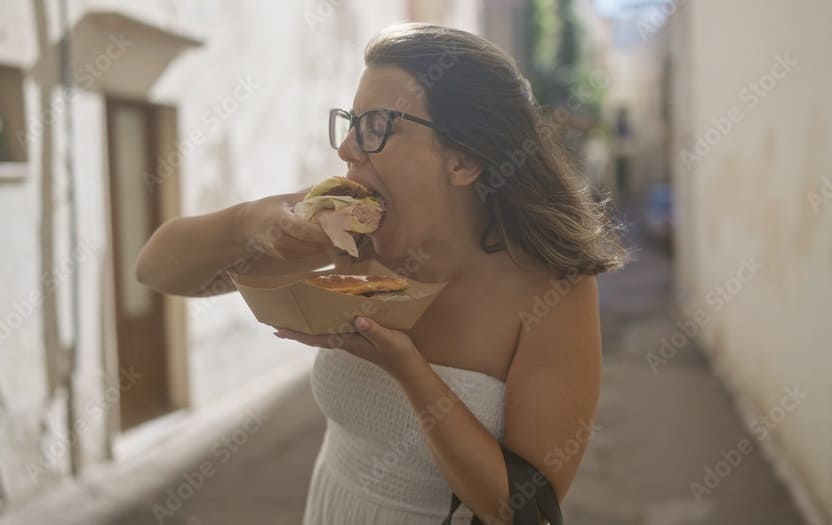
x=164, y=143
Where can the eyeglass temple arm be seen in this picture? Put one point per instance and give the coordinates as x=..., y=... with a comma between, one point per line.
x=418, y=120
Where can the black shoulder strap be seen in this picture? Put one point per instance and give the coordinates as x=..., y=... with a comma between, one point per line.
x=526, y=478
x=527, y=494
x=454, y=505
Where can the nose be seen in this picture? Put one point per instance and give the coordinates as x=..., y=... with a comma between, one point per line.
x=349, y=150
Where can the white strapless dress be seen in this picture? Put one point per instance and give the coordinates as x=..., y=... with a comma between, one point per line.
x=375, y=467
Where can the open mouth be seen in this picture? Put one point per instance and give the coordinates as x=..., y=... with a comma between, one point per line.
x=382, y=219
x=385, y=206
x=375, y=193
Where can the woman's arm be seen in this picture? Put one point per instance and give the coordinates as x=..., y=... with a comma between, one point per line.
x=551, y=395
x=190, y=255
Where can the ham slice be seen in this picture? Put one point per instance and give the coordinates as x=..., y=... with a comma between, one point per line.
x=340, y=216
x=336, y=224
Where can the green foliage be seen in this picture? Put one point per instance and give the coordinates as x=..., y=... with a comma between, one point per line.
x=560, y=74
x=545, y=33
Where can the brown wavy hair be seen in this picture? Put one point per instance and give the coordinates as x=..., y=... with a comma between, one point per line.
x=483, y=105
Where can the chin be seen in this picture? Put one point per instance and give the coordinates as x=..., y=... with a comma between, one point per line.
x=387, y=249
x=389, y=245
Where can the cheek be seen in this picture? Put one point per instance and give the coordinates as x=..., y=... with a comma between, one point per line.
x=410, y=180
x=417, y=201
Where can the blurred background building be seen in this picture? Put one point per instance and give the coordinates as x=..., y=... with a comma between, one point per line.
x=706, y=123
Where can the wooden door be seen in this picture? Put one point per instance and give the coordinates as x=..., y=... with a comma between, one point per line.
x=135, y=214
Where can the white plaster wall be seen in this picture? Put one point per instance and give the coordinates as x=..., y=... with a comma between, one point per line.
x=760, y=186
x=34, y=439
x=23, y=385
x=301, y=57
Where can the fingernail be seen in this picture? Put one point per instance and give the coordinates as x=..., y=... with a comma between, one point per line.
x=362, y=323
x=278, y=334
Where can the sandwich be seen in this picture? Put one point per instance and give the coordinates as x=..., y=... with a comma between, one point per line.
x=342, y=207
x=376, y=286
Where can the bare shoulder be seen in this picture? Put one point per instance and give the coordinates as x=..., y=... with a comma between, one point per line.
x=553, y=383
x=560, y=318
x=545, y=286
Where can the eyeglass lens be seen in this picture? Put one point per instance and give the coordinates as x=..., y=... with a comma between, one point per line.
x=372, y=127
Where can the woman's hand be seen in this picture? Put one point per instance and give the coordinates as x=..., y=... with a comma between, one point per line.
x=390, y=349
x=268, y=225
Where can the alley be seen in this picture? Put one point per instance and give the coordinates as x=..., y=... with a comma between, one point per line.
x=665, y=420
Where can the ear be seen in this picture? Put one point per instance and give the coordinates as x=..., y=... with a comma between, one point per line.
x=462, y=168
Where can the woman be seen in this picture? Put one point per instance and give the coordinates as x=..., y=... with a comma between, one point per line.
x=444, y=128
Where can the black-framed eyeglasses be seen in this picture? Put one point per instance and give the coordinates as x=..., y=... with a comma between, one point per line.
x=372, y=127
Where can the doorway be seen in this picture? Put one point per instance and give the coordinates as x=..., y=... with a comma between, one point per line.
x=136, y=211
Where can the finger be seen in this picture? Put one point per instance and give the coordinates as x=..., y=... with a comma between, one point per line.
x=301, y=229
x=378, y=335
x=346, y=341
x=307, y=339
x=353, y=343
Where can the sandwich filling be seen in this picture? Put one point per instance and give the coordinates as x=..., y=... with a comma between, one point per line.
x=342, y=207
x=367, y=285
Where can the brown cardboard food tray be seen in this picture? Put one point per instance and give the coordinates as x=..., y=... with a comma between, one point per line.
x=285, y=301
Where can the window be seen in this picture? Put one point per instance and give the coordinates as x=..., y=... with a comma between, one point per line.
x=13, y=139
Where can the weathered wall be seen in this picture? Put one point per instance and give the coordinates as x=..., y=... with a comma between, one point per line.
x=753, y=174
x=251, y=103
